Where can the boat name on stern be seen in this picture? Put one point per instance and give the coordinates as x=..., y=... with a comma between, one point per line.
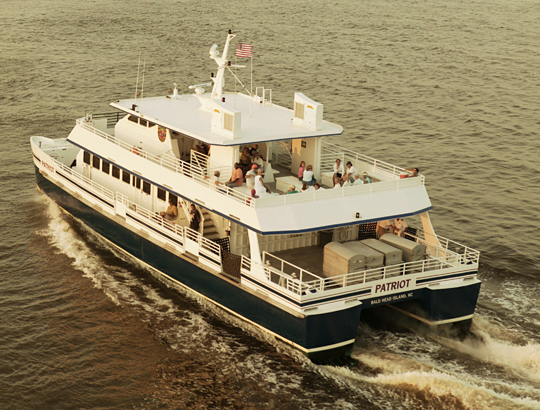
x=398, y=284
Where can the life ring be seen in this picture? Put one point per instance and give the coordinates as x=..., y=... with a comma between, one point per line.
x=134, y=150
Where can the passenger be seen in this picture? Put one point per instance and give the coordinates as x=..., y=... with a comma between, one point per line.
x=301, y=170
x=365, y=178
x=308, y=176
x=257, y=160
x=171, y=213
x=237, y=177
x=254, y=150
x=350, y=172
x=338, y=168
x=337, y=183
x=292, y=190
x=254, y=194
x=414, y=172
x=358, y=180
x=305, y=188
x=250, y=176
x=245, y=160
x=317, y=186
x=260, y=187
x=399, y=227
x=383, y=227
x=194, y=218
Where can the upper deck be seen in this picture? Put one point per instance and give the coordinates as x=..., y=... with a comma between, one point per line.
x=388, y=198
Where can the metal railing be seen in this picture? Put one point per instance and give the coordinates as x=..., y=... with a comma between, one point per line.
x=463, y=253
x=330, y=152
x=280, y=279
x=172, y=163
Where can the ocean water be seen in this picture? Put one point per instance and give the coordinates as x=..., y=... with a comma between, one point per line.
x=450, y=87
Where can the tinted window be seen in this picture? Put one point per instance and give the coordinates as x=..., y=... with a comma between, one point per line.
x=161, y=194
x=126, y=177
x=105, y=167
x=116, y=172
x=86, y=157
x=96, y=162
x=143, y=122
x=146, y=187
x=174, y=199
x=133, y=118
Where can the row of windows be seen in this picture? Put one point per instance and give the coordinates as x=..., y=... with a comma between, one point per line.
x=140, y=121
x=125, y=176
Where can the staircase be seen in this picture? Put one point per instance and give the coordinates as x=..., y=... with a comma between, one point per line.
x=209, y=229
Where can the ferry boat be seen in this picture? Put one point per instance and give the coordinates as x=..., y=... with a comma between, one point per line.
x=303, y=266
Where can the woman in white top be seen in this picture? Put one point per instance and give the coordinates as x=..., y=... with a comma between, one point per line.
x=336, y=182
x=260, y=187
x=338, y=168
x=308, y=176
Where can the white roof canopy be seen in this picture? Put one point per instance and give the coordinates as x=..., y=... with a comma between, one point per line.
x=190, y=115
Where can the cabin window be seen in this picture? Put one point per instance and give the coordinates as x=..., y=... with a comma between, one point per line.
x=126, y=177
x=86, y=157
x=161, y=194
x=228, y=122
x=134, y=119
x=116, y=172
x=146, y=187
x=136, y=182
x=96, y=162
x=299, y=110
x=105, y=167
x=143, y=122
x=174, y=199
x=151, y=124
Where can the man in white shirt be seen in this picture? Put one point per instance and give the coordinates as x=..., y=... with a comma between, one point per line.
x=350, y=172
x=250, y=176
x=399, y=227
x=358, y=180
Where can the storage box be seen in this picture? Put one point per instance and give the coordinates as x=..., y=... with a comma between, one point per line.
x=374, y=259
x=392, y=256
x=412, y=251
x=340, y=260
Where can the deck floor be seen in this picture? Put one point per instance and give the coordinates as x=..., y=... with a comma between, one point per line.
x=309, y=258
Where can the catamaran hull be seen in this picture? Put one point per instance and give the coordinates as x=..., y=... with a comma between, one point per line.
x=319, y=337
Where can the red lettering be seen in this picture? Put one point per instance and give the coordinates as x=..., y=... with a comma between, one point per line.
x=377, y=288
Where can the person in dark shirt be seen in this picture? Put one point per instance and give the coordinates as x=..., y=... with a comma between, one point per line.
x=195, y=218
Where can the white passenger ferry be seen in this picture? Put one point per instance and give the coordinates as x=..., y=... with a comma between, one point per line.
x=301, y=266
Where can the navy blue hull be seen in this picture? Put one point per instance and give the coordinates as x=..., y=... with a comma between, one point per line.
x=310, y=332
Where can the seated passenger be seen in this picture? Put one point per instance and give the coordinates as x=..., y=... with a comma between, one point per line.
x=337, y=183
x=254, y=150
x=171, y=213
x=237, y=177
x=308, y=177
x=350, y=172
x=365, y=178
x=338, y=168
x=399, y=227
x=358, y=180
x=301, y=169
x=383, y=227
x=316, y=186
x=245, y=160
x=413, y=172
x=292, y=190
x=250, y=176
x=257, y=160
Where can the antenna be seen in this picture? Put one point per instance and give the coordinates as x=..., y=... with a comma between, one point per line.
x=142, y=86
x=138, y=67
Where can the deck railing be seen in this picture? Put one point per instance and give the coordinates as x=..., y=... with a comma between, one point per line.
x=172, y=163
x=331, y=152
x=202, y=176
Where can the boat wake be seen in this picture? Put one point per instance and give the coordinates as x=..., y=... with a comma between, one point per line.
x=420, y=371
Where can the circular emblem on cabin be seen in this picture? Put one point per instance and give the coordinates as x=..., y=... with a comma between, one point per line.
x=162, y=133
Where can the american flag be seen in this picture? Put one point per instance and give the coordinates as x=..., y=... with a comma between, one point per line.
x=244, y=50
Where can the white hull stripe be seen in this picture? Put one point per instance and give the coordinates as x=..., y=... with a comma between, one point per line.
x=429, y=322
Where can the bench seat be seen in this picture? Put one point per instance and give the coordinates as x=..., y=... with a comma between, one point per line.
x=283, y=183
